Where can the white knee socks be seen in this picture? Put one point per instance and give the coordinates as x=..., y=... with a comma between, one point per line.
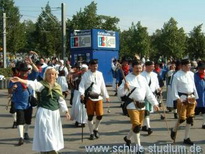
x=90, y=125
x=187, y=128
x=97, y=123
x=20, y=130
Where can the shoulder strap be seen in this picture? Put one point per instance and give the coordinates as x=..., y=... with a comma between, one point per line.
x=131, y=91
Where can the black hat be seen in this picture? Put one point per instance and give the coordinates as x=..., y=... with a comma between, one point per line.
x=185, y=62
x=38, y=62
x=93, y=61
x=23, y=67
x=148, y=63
x=201, y=64
x=17, y=67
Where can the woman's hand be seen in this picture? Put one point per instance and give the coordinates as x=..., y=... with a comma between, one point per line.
x=67, y=115
x=15, y=79
x=156, y=108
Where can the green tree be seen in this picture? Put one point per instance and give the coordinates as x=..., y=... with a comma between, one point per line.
x=135, y=41
x=196, y=43
x=48, y=33
x=30, y=29
x=15, y=29
x=173, y=40
x=89, y=19
x=156, y=45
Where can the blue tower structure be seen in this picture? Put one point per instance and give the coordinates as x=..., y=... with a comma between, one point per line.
x=95, y=44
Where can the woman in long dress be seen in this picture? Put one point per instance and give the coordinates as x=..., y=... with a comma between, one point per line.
x=48, y=134
x=78, y=111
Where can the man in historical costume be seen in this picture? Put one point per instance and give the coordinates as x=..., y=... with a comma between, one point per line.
x=199, y=78
x=93, y=79
x=185, y=93
x=153, y=83
x=20, y=97
x=78, y=111
x=137, y=85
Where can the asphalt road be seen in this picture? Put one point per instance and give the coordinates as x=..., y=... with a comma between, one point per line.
x=112, y=130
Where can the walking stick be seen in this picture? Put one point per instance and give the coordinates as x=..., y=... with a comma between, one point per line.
x=123, y=76
x=82, y=123
x=108, y=108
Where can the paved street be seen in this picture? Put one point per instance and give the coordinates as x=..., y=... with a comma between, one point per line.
x=112, y=130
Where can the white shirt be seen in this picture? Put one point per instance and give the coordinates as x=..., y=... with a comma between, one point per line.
x=38, y=87
x=183, y=82
x=141, y=92
x=98, y=86
x=154, y=80
x=60, y=68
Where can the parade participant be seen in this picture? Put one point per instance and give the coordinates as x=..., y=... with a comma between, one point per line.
x=20, y=96
x=62, y=77
x=125, y=68
x=115, y=66
x=199, y=78
x=178, y=67
x=184, y=92
x=160, y=75
x=136, y=105
x=93, y=79
x=153, y=83
x=169, y=100
x=48, y=134
x=78, y=111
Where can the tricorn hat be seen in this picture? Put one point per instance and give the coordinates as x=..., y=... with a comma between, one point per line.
x=23, y=67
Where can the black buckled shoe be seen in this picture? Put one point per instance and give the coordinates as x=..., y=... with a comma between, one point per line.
x=144, y=128
x=26, y=137
x=96, y=133
x=175, y=116
x=14, y=125
x=91, y=137
x=82, y=125
x=149, y=131
x=173, y=135
x=128, y=142
x=76, y=124
x=21, y=141
x=162, y=117
x=188, y=141
x=203, y=127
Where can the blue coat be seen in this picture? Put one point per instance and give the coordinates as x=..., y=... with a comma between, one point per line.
x=200, y=87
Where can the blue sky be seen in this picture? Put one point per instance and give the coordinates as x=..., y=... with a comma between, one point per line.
x=152, y=13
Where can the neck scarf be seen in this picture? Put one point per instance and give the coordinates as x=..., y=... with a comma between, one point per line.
x=23, y=77
x=201, y=75
x=56, y=88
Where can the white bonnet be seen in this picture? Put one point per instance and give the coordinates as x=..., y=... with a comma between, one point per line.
x=48, y=68
x=84, y=66
x=62, y=62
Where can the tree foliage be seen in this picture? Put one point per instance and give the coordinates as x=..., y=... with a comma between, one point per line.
x=15, y=30
x=196, y=43
x=172, y=41
x=44, y=36
x=48, y=33
x=135, y=41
